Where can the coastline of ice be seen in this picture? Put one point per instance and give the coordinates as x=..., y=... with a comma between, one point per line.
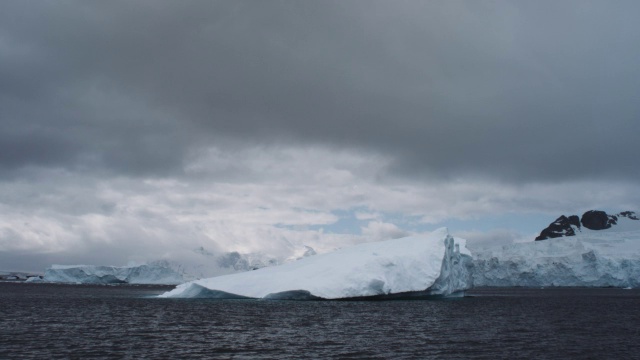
x=430, y=265
x=592, y=258
x=198, y=264
x=91, y=274
x=413, y=266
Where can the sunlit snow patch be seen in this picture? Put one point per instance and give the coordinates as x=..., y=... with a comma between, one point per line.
x=430, y=265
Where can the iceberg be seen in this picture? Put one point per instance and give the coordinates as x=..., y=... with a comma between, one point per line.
x=91, y=274
x=16, y=276
x=592, y=258
x=431, y=265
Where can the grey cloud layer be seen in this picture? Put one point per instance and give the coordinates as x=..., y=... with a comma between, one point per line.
x=537, y=91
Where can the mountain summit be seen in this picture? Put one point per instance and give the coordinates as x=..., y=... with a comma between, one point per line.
x=592, y=220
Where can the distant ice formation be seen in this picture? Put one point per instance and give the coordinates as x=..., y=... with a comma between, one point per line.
x=599, y=250
x=200, y=264
x=609, y=257
x=91, y=274
x=414, y=266
x=17, y=276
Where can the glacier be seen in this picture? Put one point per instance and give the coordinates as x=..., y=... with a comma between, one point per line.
x=432, y=265
x=198, y=264
x=602, y=258
x=428, y=265
x=92, y=274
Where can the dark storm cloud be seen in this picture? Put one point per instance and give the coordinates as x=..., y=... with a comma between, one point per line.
x=516, y=90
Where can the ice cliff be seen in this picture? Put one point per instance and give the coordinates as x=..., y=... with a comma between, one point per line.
x=602, y=258
x=199, y=264
x=430, y=265
x=91, y=274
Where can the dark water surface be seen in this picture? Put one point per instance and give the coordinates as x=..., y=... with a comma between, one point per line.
x=43, y=321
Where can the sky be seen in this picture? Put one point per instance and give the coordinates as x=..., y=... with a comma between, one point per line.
x=135, y=131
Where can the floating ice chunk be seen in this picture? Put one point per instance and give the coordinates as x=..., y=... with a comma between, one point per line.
x=435, y=264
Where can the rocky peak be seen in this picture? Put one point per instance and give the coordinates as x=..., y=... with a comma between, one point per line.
x=629, y=214
x=561, y=227
x=592, y=219
x=598, y=220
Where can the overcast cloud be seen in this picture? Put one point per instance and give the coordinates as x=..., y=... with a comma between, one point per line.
x=137, y=128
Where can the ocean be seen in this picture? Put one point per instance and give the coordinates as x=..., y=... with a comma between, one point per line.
x=56, y=321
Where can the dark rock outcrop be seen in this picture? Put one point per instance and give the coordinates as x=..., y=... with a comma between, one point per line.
x=561, y=227
x=592, y=219
x=598, y=220
x=629, y=214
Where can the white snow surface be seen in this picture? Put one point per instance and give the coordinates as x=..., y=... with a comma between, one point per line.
x=602, y=258
x=91, y=274
x=434, y=264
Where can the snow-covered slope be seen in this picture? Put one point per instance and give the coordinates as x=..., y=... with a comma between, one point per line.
x=431, y=265
x=91, y=274
x=609, y=257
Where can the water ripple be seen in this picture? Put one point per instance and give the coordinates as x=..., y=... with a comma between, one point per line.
x=63, y=321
